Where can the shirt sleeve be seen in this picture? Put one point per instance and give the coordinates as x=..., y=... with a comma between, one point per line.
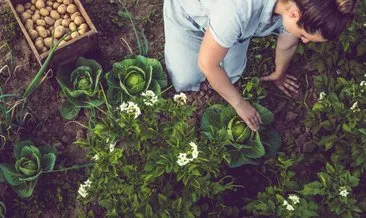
x=224, y=23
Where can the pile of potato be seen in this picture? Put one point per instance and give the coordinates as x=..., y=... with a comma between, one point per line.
x=43, y=17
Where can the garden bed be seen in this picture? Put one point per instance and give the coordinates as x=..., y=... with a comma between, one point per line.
x=56, y=193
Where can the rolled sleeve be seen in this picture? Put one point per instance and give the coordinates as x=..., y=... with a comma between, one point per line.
x=224, y=23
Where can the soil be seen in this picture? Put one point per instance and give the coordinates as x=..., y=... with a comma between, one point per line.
x=45, y=126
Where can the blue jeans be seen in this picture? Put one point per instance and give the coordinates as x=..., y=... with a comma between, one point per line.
x=183, y=39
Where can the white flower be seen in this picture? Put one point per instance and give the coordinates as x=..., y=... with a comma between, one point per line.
x=294, y=198
x=194, y=154
x=180, y=98
x=130, y=108
x=83, y=188
x=95, y=157
x=343, y=191
x=354, y=107
x=193, y=145
x=322, y=96
x=151, y=98
x=182, y=156
x=112, y=146
x=290, y=208
x=183, y=160
x=363, y=83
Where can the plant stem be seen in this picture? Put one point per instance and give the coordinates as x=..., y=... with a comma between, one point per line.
x=70, y=168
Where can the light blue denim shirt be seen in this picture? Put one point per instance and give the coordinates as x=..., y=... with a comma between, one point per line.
x=232, y=21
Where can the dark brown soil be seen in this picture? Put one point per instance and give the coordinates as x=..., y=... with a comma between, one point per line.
x=46, y=126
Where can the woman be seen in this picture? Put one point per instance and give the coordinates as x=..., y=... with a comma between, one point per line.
x=210, y=38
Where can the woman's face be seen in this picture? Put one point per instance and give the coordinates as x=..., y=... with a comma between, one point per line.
x=290, y=18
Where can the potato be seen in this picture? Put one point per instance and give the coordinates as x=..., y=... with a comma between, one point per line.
x=33, y=1
x=55, y=15
x=19, y=8
x=51, y=28
x=48, y=41
x=57, y=23
x=33, y=8
x=67, y=2
x=39, y=44
x=62, y=9
x=41, y=31
x=49, y=3
x=59, y=32
x=74, y=35
x=40, y=4
x=66, y=16
x=65, y=22
x=60, y=1
x=75, y=15
x=29, y=24
x=55, y=5
x=71, y=8
x=72, y=26
x=33, y=34
x=25, y=16
x=62, y=42
x=49, y=21
x=35, y=17
x=48, y=32
x=83, y=28
x=49, y=8
x=40, y=22
x=29, y=11
x=44, y=49
x=44, y=12
x=37, y=11
x=79, y=20
x=67, y=38
x=27, y=5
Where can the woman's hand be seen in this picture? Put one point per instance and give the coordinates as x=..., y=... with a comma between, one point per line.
x=249, y=114
x=284, y=82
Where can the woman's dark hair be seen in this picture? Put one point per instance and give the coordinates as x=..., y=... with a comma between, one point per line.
x=327, y=17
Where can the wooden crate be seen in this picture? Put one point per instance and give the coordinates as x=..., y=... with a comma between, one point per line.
x=68, y=51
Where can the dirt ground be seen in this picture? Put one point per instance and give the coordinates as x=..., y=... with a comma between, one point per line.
x=46, y=126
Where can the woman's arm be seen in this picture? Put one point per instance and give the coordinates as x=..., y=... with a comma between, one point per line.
x=209, y=58
x=285, y=50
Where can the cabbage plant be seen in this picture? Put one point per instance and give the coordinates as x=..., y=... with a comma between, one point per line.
x=80, y=86
x=131, y=77
x=30, y=163
x=244, y=145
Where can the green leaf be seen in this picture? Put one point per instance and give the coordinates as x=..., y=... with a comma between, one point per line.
x=271, y=140
x=148, y=211
x=48, y=161
x=266, y=115
x=25, y=190
x=18, y=147
x=313, y=188
x=69, y=111
x=11, y=175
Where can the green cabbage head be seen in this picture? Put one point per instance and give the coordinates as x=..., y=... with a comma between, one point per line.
x=130, y=77
x=221, y=123
x=29, y=164
x=81, y=87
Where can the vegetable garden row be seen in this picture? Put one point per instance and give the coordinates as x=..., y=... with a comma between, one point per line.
x=150, y=152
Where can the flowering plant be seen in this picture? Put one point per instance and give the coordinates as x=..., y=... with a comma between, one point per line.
x=149, y=161
x=338, y=121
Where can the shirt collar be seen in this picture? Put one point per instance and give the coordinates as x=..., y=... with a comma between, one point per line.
x=267, y=13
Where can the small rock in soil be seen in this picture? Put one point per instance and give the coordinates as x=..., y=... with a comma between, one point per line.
x=291, y=116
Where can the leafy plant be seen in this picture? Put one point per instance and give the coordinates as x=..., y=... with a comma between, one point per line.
x=252, y=90
x=335, y=187
x=30, y=163
x=130, y=77
x=337, y=119
x=282, y=198
x=149, y=162
x=80, y=86
x=244, y=145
